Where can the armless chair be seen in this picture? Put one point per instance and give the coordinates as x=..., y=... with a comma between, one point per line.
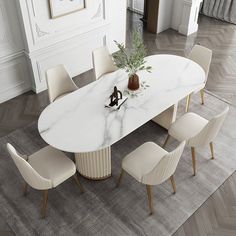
x=167, y=117
x=151, y=165
x=202, y=56
x=197, y=131
x=59, y=83
x=102, y=62
x=44, y=170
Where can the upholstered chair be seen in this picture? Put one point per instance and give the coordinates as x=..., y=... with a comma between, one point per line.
x=151, y=165
x=44, y=170
x=167, y=117
x=197, y=131
x=102, y=62
x=59, y=83
x=202, y=56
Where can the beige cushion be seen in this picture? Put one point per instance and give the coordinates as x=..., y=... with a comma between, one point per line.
x=143, y=159
x=187, y=126
x=52, y=164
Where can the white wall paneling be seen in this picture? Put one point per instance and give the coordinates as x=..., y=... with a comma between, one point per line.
x=14, y=77
x=69, y=39
x=75, y=54
x=14, y=73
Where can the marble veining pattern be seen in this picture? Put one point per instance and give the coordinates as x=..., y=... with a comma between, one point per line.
x=79, y=122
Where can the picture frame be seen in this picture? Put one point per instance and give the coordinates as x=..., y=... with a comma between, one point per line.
x=59, y=8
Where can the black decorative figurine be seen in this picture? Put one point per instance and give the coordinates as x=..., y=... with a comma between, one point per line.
x=114, y=98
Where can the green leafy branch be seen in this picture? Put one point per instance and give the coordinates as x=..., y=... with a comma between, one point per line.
x=132, y=61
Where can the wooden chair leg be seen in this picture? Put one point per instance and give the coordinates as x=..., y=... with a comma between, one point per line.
x=25, y=188
x=149, y=194
x=45, y=201
x=173, y=183
x=202, y=96
x=212, y=150
x=166, y=141
x=78, y=183
x=120, y=177
x=188, y=103
x=193, y=160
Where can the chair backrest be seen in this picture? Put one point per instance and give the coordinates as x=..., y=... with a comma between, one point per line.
x=30, y=175
x=165, y=168
x=202, y=56
x=210, y=131
x=102, y=62
x=59, y=82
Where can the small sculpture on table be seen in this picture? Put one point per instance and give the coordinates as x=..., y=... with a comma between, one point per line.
x=115, y=100
x=115, y=97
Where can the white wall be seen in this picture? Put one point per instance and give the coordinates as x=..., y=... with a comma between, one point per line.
x=14, y=73
x=165, y=15
x=69, y=39
x=46, y=42
x=185, y=16
x=177, y=14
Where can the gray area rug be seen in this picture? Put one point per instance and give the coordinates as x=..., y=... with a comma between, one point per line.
x=106, y=210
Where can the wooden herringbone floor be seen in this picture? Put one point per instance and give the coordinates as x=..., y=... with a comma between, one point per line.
x=217, y=215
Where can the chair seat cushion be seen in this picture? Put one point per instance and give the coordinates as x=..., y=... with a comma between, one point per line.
x=52, y=164
x=143, y=159
x=187, y=126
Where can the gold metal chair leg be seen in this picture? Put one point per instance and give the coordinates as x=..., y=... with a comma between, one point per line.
x=78, y=183
x=173, y=183
x=212, y=150
x=202, y=96
x=188, y=103
x=166, y=141
x=149, y=193
x=45, y=201
x=120, y=177
x=25, y=188
x=193, y=160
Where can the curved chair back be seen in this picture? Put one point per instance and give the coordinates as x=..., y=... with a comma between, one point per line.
x=30, y=176
x=210, y=131
x=202, y=56
x=59, y=82
x=165, y=168
x=102, y=62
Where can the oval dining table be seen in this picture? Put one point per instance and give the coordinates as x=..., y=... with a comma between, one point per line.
x=80, y=123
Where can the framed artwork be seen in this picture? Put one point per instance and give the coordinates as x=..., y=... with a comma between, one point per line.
x=64, y=7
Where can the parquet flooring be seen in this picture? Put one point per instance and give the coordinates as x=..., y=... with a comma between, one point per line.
x=217, y=215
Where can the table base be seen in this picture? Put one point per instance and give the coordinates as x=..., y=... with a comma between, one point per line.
x=94, y=165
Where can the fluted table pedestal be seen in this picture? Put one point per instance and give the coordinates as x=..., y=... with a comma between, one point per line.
x=94, y=165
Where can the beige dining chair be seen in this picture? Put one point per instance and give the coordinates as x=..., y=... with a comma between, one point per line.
x=202, y=56
x=167, y=117
x=102, y=62
x=197, y=131
x=44, y=170
x=59, y=82
x=151, y=165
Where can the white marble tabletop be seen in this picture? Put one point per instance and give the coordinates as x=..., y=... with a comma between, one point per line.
x=79, y=122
